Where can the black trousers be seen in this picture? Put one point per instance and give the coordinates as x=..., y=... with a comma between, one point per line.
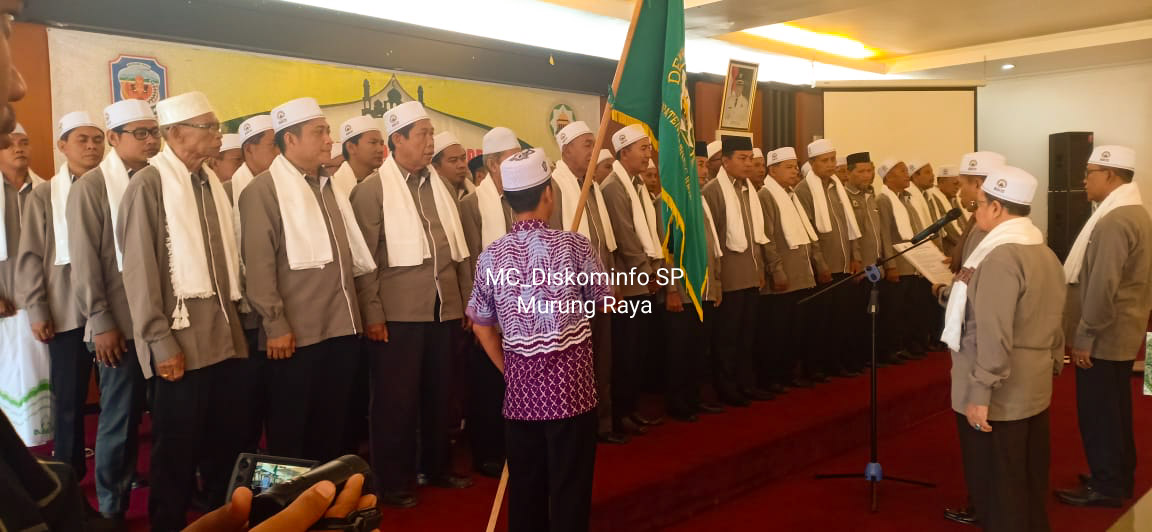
x=1104, y=408
x=832, y=315
x=257, y=390
x=411, y=405
x=785, y=349
x=117, y=433
x=485, y=408
x=685, y=344
x=550, y=468
x=630, y=336
x=859, y=322
x=69, y=371
x=356, y=427
x=602, y=348
x=926, y=318
x=735, y=343
x=200, y=421
x=1007, y=472
x=895, y=322
x=308, y=399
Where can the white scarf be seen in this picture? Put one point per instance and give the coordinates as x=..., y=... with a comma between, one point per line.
x=493, y=224
x=919, y=202
x=644, y=224
x=344, y=180
x=468, y=189
x=570, y=190
x=947, y=204
x=1014, y=231
x=605, y=221
x=115, y=182
x=820, y=205
x=716, y=251
x=61, y=184
x=793, y=219
x=32, y=181
x=735, y=234
x=305, y=233
x=1124, y=196
x=187, y=261
x=899, y=212
x=402, y=221
x=240, y=181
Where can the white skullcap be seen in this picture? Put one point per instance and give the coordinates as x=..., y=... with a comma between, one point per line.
x=980, y=162
x=357, y=125
x=819, y=147
x=715, y=147
x=628, y=136
x=780, y=155
x=254, y=126
x=914, y=165
x=1010, y=184
x=570, y=132
x=294, y=112
x=524, y=170
x=127, y=111
x=604, y=154
x=1114, y=156
x=443, y=140
x=842, y=160
x=337, y=150
x=404, y=114
x=182, y=107
x=948, y=170
x=74, y=120
x=887, y=166
x=807, y=167
x=19, y=130
x=500, y=139
x=651, y=164
x=757, y=154
x=231, y=141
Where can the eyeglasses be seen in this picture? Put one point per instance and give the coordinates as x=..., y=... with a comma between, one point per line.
x=1090, y=171
x=142, y=133
x=211, y=126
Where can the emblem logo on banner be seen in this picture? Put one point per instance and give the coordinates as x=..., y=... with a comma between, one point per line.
x=138, y=78
x=561, y=116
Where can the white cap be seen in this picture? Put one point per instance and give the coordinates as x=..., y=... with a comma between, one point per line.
x=604, y=154
x=337, y=150
x=403, y=115
x=819, y=147
x=980, y=162
x=570, y=132
x=715, y=147
x=500, y=139
x=294, y=112
x=524, y=170
x=757, y=154
x=127, y=111
x=74, y=120
x=443, y=140
x=651, y=164
x=628, y=136
x=19, y=130
x=1114, y=156
x=842, y=160
x=357, y=125
x=1010, y=184
x=807, y=167
x=887, y=166
x=254, y=126
x=947, y=170
x=231, y=141
x=182, y=107
x=915, y=166
x=780, y=155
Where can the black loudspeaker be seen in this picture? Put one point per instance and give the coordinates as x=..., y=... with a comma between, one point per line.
x=1068, y=154
x=1067, y=212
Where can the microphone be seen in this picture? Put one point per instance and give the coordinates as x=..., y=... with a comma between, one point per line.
x=937, y=225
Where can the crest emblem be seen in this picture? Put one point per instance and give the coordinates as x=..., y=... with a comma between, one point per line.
x=560, y=116
x=1001, y=185
x=623, y=137
x=393, y=120
x=525, y=154
x=247, y=129
x=1105, y=155
x=348, y=129
x=972, y=164
x=280, y=117
x=138, y=78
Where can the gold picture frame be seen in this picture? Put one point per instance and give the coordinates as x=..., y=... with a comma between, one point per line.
x=739, y=96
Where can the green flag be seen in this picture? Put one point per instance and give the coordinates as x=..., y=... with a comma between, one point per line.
x=653, y=93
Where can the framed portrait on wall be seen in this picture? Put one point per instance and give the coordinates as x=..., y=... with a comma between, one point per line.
x=739, y=95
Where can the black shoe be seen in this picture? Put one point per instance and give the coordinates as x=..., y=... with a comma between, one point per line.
x=139, y=481
x=757, y=394
x=709, y=407
x=1087, y=496
x=451, y=481
x=1085, y=478
x=819, y=377
x=421, y=479
x=852, y=372
x=917, y=355
x=964, y=516
x=613, y=438
x=628, y=426
x=736, y=401
x=938, y=347
x=397, y=499
x=684, y=418
x=647, y=421
x=801, y=382
x=776, y=388
x=490, y=469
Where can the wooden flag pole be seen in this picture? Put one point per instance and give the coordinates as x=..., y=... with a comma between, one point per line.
x=494, y=515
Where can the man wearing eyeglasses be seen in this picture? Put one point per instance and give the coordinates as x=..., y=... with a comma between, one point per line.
x=99, y=291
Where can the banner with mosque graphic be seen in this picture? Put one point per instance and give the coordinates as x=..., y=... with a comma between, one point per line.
x=241, y=84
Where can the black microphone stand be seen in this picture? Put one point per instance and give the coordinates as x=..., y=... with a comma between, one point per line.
x=873, y=472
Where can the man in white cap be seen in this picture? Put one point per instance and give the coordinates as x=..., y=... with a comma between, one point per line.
x=18, y=182
x=99, y=291
x=1109, y=270
x=485, y=214
x=651, y=179
x=1003, y=327
x=761, y=172
x=604, y=166
x=928, y=319
x=714, y=158
x=795, y=356
x=941, y=199
x=842, y=168
x=736, y=211
x=44, y=284
x=230, y=158
x=450, y=160
x=875, y=244
x=302, y=250
x=550, y=409
x=903, y=338
x=638, y=250
x=413, y=304
x=362, y=146
x=826, y=202
x=576, y=142
x=182, y=277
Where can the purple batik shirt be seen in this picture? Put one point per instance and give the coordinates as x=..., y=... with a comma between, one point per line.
x=547, y=340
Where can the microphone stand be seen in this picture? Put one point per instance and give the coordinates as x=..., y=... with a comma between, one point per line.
x=873, y=472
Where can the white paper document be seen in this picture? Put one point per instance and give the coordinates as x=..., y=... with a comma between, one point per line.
x=929, y=261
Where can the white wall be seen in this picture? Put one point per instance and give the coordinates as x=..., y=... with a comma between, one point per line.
x=1015, y=117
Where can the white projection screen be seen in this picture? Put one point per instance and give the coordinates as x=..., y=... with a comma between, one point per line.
x=933, y=125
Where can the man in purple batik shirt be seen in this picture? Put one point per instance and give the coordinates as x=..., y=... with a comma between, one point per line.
x=535, y=291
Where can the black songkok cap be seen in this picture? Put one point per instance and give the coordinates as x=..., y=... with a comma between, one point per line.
x=475, y=163
x=857, y=158
x=701, y=148
x=731, y=143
